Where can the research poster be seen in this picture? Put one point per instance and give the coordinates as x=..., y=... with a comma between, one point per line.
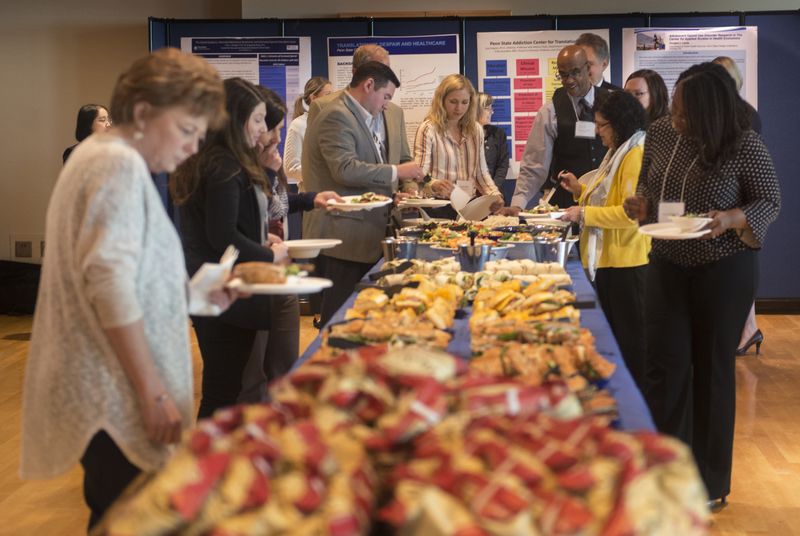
x=282, y=64
x=519, y=70
x=670, y=51
x=420, y=62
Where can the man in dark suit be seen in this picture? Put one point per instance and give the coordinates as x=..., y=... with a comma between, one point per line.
x=596, y=50
x=343, y=152
x=563, y=136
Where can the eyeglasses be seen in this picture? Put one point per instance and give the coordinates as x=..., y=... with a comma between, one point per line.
x=638, y=94
x=574, y=73
x=601, y=124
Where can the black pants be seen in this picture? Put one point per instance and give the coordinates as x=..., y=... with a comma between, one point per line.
x=621, y=294
x=106, y=474
x=694, y=317
x=345, y=275
x=225, y=350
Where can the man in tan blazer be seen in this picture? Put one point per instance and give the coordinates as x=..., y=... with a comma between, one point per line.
x=343, y=152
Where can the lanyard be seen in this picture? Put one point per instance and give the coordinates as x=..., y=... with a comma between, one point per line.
x=669, y=165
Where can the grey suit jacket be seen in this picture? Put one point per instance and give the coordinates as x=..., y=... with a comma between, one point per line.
x=339, y=154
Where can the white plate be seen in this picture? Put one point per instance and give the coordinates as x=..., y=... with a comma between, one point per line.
x=293, y=285
x=424, y=203
x=690, y=224
x=310, y=248
x=478, y=208
x=670, y=231
x=545, y=216
x=349, y=206
x=556, y=215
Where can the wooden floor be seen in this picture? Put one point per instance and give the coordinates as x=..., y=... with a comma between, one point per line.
x=766, y=470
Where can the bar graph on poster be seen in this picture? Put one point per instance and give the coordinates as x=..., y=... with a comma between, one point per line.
x=420, y=62
x=518, y=69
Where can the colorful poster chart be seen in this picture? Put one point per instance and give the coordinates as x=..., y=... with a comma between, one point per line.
x=282, y=64
x=670, y=51
x=420, y=62
x=519, y=70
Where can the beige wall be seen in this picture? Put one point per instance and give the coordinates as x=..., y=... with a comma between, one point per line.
x=56, y=55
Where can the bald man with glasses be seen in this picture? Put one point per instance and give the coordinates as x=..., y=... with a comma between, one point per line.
x=563, y=136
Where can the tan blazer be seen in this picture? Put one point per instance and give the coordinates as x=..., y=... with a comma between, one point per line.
x=339, y=154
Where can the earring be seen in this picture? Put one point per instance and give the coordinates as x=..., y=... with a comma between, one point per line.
x=138, y=135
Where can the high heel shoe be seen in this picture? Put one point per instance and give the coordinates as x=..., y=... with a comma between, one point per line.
x=715, y=505
x=756, y=339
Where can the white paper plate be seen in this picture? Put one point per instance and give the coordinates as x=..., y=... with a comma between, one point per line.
x=424, y=203
x=545, y=216
x=478, y=208
x=310, y=248
x=670, y=231
x=690, y=224
x=349, y=206
x=293, y=285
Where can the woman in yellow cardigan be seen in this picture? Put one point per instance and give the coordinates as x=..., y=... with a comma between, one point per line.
x=612, y=250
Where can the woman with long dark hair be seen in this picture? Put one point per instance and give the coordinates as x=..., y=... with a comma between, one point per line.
x=703, y=159
x=91, y=118
x=224, y=194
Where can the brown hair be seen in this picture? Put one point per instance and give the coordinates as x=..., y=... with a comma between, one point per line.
x=437, y=114
x=369, y=52
x=167, y=78
x=241, y=98
x=659, y=96
x=312, y=87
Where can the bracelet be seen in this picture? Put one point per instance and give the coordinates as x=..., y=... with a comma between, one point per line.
x=161, y=398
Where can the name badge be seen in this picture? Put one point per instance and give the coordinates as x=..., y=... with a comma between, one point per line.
x=585, y=130
x=669, y=209
x=468, y=186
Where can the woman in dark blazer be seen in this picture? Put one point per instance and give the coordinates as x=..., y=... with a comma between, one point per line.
x=495, y=145
x=91, y=118
x=224, y=196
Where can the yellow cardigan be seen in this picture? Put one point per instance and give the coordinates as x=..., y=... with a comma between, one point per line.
x=623, y=245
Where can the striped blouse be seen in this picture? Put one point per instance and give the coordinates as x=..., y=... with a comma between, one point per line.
x=441, y=157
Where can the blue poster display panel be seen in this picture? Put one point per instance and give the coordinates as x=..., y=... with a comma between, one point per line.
x=499, y=24
x=778, y=56
x=319, y=31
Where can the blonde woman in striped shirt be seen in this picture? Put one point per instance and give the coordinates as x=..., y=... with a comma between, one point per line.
x=449, y=143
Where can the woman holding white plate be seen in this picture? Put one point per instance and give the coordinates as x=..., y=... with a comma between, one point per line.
x=612, y=250
x=703, y=159
x=449, y=144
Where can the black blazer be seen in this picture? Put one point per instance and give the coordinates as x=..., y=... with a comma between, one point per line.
x=495, y=146
x=222, y=211
x=609, y=86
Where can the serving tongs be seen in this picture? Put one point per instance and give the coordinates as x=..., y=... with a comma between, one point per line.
x=399, y=269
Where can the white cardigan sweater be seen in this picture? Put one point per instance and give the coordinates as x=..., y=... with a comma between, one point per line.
x=113, y=257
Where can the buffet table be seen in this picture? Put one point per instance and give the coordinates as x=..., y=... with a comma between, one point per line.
x=633, y=412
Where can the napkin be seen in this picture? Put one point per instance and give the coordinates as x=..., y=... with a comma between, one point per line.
x=210, y=277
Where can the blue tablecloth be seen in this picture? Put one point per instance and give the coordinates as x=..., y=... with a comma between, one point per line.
x=633, y=412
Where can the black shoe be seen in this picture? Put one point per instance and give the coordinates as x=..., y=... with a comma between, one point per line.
x=715, y=505
x=317, y=322
x=756, y=339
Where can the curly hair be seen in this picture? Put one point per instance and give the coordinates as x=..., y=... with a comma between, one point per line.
x=623, y=112
x=713, y=114
x=241, y=98
x=167, y=78
x=437, y=114
x=659, y=96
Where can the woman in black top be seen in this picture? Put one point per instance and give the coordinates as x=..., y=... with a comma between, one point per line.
x=495, y=145
x=698, y=292
x=91, y=118
x=225, y=194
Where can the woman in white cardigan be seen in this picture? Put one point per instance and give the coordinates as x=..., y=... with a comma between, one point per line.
x=316, y=87
x=109, y=374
